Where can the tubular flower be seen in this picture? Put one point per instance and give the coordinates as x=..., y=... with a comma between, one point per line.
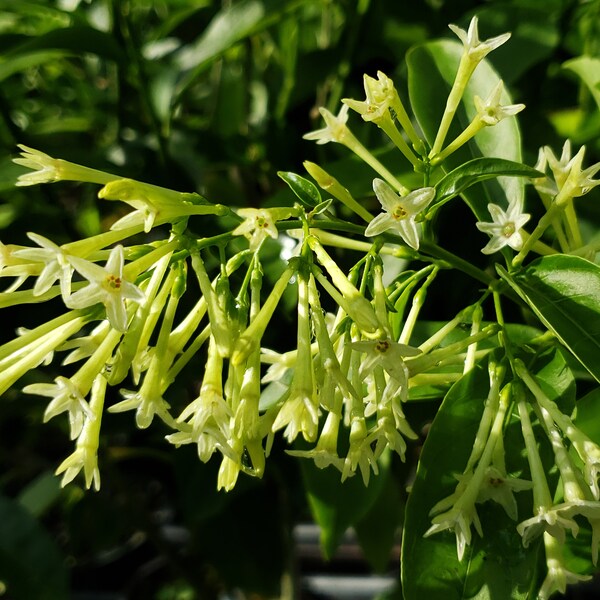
x=257, y=226
x=66, y=397
x=56, y=265
x=490, y=112
x=474, y=48
x=107, y=287
x=505, y=228
x=380, y=94
x=399, y=212
x=335, y=130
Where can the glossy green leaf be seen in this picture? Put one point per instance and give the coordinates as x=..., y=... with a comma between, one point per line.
x=431, y=70
x=306, y=191
x=31, y=565
x=494, y=566
x=588, y=70
x=474, y=171
x=335, y=506
x=564, y=292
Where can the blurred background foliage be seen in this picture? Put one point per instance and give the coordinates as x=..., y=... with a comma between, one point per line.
x=214, y=97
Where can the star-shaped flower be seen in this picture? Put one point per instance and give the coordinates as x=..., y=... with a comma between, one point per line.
x=107, y=287
x=474, y=48
x=490, y=112
x=505, y=228
x=56, y=265
x=257, y=226
x=65, y=397
x=565, y=169
x=553, y=520
x=399, y=211
x=85, y=457
x=146, y=405
x=557, y=576
x=45, y=168
x=497, y=486
x=390, y=356
x=335, y=129
x=458, y=519
x=380, y=94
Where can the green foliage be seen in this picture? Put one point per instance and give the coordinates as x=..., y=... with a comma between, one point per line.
x=213, y=98
x=564, y=292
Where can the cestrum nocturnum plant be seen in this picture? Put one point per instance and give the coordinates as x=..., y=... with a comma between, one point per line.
x=179, y=281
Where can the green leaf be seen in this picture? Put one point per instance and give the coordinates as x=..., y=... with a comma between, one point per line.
x=303, y=188
x=378, y=530
x=230, y=26
x=431, y=71
x=588, y=70
x=474, y=171
x=495, y=565
x=335, y=506
x=31, y=565
x=40, y=494
x=564, y=292
x=22, y=62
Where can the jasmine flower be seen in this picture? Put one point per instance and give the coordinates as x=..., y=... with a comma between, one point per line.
x=66, y=397
x=505, y=228
x=257, y=226
x=107, y=287
x=399, y=212
x=335, y=130
x=56, y=265
x=474, y=48
x=490, y=112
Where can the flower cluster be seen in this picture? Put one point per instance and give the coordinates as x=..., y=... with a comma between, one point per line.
x=348, y=377
x=339, y=394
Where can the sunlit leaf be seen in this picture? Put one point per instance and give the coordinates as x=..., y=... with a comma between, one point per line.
x=564, y=292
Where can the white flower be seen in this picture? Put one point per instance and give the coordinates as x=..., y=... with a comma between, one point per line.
x=107, y=286
x=325, y=452
x=557, y=578
x=45, y=167
x=399, y=212
x=505, y=228
x=565, y=169
x=65, y=397
x=146, y=405
x=458, y=519
x=390, y=356
x=360, y=454
x=497, y=486
x=84, y=346
x=335, y=129
x=491, y=112
x=56, y=265
x=380, y=94
x=553, y=520
x=257, y=226
x=85, y=456
x=298, y=414
x=473, y=47
x=568, y=170
x=207, y=426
